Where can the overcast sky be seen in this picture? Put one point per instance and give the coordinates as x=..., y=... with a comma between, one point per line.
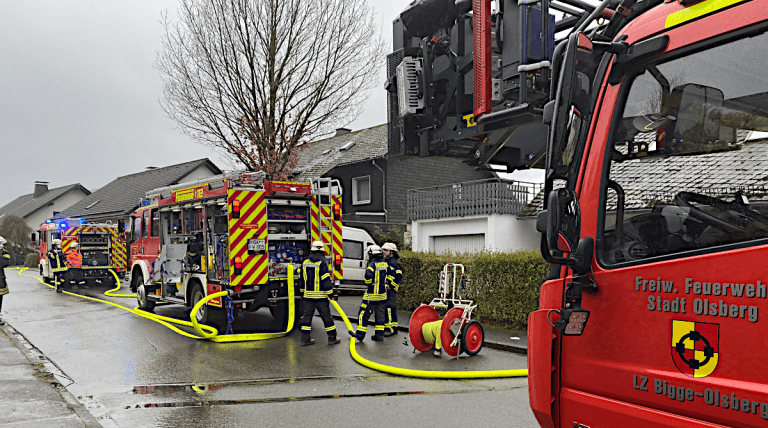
x=79, y=95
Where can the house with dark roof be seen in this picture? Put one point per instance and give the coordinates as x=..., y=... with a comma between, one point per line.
x=375, y=188
x=123, y=195
x=43, y=203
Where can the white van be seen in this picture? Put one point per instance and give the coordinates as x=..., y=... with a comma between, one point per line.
x=356, y=242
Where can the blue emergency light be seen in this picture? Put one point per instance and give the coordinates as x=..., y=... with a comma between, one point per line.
x=81, y=221
x=63, y=225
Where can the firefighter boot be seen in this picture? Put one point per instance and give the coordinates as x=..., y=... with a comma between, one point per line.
x=333, y=340
x=390, y=332
x=378, y=337
x=360, y=335
x=306, y=340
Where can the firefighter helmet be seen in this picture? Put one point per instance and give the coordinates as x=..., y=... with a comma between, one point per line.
x=374, y=250
x=2, y=242
x=317, y=246
x=56, y=242
x=389, y=246
x=74, y=245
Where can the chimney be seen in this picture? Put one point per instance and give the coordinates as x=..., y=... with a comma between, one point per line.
x=41, y=188
x=342, y=131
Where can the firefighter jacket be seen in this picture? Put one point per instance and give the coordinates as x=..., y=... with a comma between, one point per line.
x=316, y=279
x=56, y=260
x=5, y=260
x=74, y=259
x=394, y=273
x=375, y=277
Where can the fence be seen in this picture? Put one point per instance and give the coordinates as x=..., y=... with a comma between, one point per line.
x=483, y=197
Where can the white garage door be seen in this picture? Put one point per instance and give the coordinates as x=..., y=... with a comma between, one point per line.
x=457, y=243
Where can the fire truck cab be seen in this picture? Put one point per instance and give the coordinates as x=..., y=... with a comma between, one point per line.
x=101, y=244
x=233, y=232
x=656, y=222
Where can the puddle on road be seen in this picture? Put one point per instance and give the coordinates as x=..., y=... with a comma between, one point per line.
x=194, y=395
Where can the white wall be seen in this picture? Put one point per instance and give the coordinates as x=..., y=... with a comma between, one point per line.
x=200, y=172
x=502, y=232
x=64, y=201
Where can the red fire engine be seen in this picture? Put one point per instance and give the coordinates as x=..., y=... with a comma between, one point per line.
x=656, y=222
x=231, y=232
x=101, y=244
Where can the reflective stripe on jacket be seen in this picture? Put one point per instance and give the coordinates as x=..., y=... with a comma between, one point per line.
x=316, y=278
x=375, y=277
x=74, y=258
x=56, y=261
x=394, y=273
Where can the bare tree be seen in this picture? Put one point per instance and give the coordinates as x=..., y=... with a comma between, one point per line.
x=15, y=230
x=257, y=78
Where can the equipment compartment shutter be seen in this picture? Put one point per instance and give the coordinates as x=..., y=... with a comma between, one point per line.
x=458, y=243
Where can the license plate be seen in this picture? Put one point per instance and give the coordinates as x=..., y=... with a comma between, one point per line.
x=257, y=245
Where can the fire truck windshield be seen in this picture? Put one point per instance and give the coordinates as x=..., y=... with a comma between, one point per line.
x=688, y=169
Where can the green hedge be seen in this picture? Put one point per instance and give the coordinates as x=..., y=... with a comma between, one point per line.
x=505, y=286
x=32, y=261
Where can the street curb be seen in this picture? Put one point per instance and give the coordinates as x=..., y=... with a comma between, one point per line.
x=36, y=361
x=493, y=345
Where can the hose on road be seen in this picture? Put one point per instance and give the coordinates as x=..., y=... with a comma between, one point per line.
x=210, y=333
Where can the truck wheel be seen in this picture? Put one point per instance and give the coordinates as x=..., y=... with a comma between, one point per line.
x=136, y=280
x=279, y=310
x=144, y=302
x=196, y=295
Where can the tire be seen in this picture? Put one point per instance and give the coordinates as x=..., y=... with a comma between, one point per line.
x=45, y=280
x=472, y=338
x=279, y=310
x=196, y=295
x=136, y=279
x=145, y=303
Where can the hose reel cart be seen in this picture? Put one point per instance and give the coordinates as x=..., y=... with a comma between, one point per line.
x=459, y=332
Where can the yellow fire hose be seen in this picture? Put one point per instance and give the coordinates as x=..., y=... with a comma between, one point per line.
x=210, y=333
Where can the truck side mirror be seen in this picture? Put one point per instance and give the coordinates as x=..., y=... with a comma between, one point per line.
x=33, y=237
x=560, y=225
x=564, y=220
x=578, y=55
x=638, y=52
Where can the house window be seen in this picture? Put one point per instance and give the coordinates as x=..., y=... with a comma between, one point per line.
x=361, y=190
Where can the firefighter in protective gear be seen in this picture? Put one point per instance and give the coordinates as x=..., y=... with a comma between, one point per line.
x=316, y=290
x=75, y=266
x=5, y=260
x=394, y=279
x=57, y=263
x=375, y=297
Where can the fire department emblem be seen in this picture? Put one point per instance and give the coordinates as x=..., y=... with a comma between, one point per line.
x=695, y=347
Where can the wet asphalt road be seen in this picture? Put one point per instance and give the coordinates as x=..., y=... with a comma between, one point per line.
x=132, y=372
